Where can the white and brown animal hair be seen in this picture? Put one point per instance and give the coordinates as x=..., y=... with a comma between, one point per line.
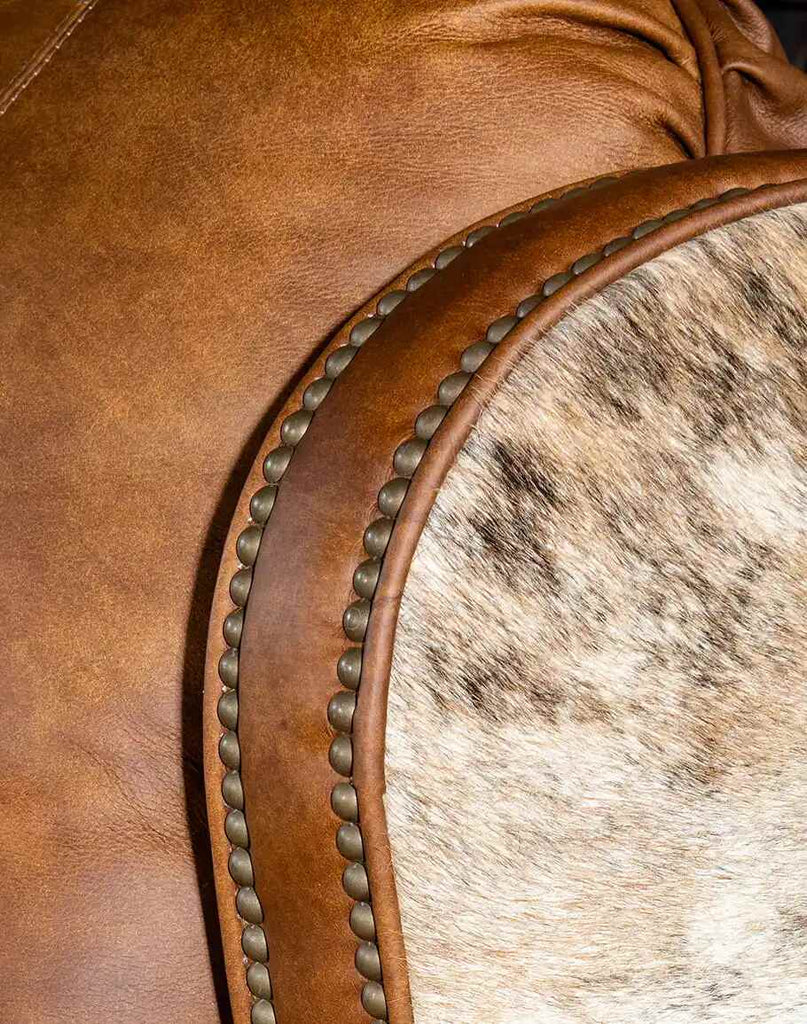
x=597, y=734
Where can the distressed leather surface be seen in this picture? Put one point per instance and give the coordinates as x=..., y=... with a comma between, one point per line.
x=193, y=196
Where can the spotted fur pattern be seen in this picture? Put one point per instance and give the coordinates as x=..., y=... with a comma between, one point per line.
x=597, y=743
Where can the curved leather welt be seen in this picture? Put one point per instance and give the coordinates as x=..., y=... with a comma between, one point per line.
x=312, y=543
x=311, y=923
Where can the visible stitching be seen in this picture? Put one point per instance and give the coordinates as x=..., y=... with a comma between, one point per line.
x=390, y=500
x=293, y=428
x=42, y=56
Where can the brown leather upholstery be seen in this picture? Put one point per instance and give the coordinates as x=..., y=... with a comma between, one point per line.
x=194, y=197
x=753, y=98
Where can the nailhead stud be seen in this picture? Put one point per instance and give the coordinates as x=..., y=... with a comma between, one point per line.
x=344, y=801
x=362, y=921
x=355, y=619
x=258, y=981
x=373, y=1001
x=429, y=420
x=316, y=392
x=240, y=867
x=615, y=246
x=376, y=537
x=733, y=193
x=248, y=543
x=233, y=627
x=253, y=943
x=262, y=1012
x=451, y=387
x=229, y=751
x=339, y=360
x=448, y=256
x=500, y=328
x=407, y=456
x=478, y=235
x=368, y=962
x=603, y=182
x=387, y=303
x=391, y=496
x=349, y=842
x=513, y=218
x=354, y=882
x=646, y=228
x=341, y=708
x=262, y=503
x=340, y=755
x=235, y=826
x=473, y=356
x=552, y=284
x=228, y=709
x=228, y=667
x=526, y=306
x=248, y=905
x=294, y=427
x=276, y=463
x=239, y=587
x=419, y=278
x=232, y=791
x=365, y=578
x=348, y=668
x=364, y=329
x=586, y=262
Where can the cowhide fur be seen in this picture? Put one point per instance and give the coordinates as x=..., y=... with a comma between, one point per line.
x=597, y=736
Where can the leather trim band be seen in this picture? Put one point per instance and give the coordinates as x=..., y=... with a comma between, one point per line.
x=314, y=530
x=230, y=812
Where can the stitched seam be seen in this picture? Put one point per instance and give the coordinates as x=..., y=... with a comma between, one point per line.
x=392, y=494
x=248, y=544
x=34, y=65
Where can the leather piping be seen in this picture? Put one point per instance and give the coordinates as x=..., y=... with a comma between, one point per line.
x=370, y=727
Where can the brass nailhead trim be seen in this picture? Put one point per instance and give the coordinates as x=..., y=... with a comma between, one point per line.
x=391, y=498
x=376, y=538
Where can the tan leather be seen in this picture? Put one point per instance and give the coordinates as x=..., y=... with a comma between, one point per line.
x=312, y=544
x=193, y=197
x=753, y=97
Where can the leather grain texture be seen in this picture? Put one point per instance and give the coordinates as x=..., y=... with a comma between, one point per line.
x=193, y=197
x=312, y=543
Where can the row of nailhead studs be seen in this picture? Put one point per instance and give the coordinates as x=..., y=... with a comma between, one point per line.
x=344, y=800
x=248, y=907
x=405, y=462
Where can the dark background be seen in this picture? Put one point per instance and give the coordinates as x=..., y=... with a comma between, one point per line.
x=789, y=18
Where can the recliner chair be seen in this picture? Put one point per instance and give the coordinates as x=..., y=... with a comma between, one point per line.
x=503, y=641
